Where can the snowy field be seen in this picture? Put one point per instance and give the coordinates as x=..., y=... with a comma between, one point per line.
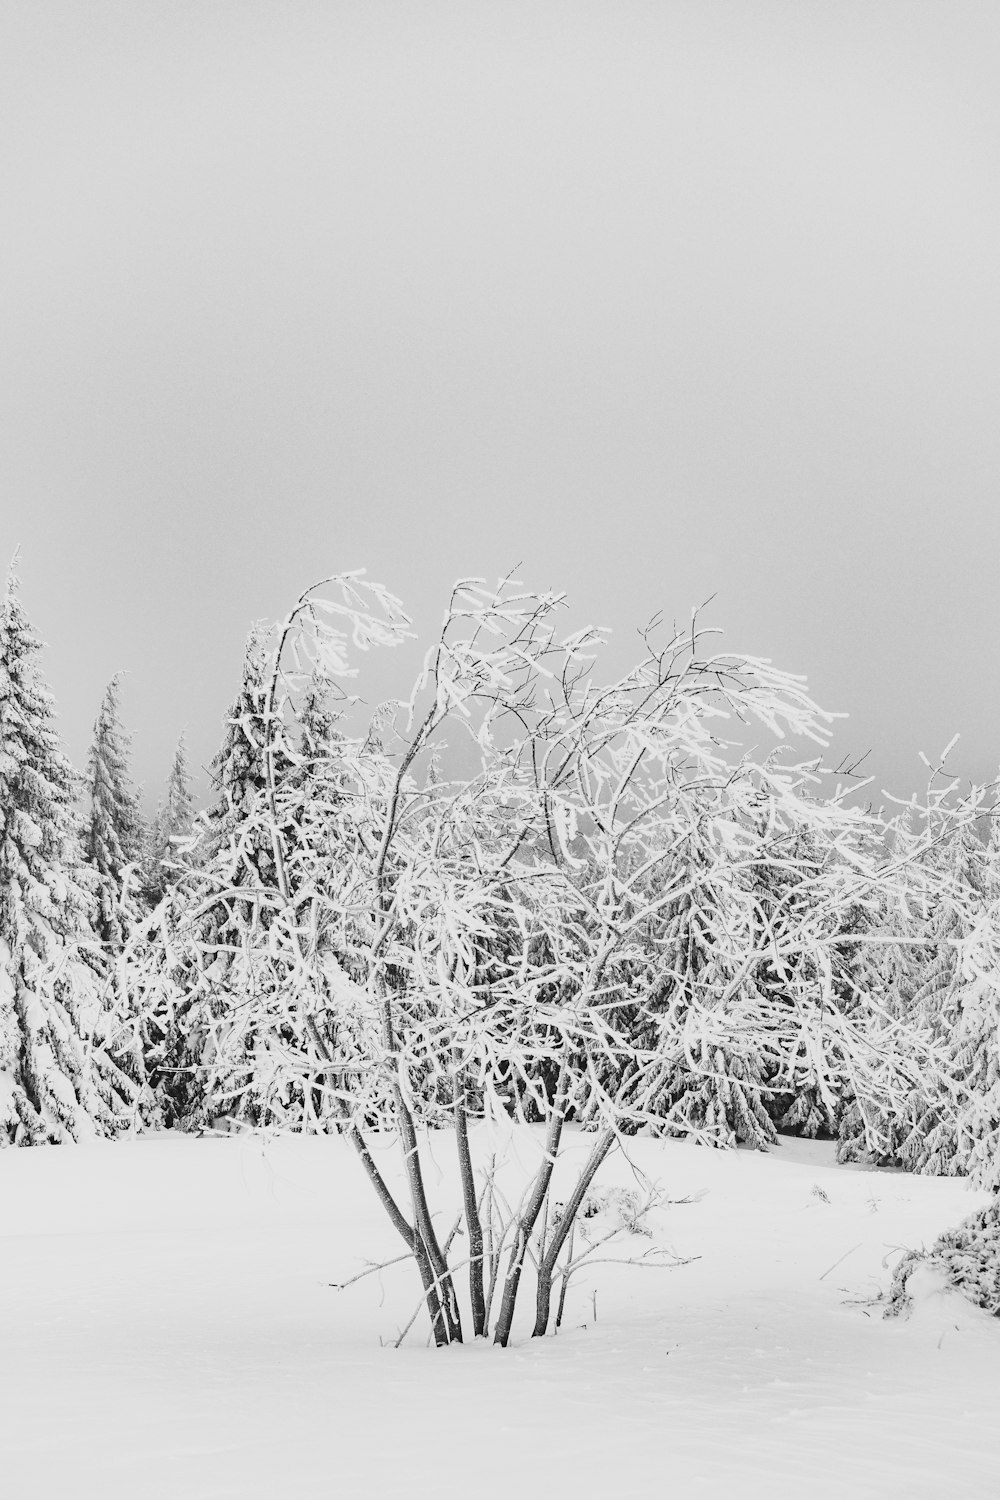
x=169, y=1330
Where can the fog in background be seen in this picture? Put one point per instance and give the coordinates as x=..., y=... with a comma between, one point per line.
x=660, y=301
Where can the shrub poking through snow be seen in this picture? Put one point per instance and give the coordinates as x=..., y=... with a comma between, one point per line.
x=969, y=1256
x=525, y=891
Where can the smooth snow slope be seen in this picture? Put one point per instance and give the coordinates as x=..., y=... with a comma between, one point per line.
x=168, y=1330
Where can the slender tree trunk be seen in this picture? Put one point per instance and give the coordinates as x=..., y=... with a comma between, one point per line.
x=408, y=1234
x=564, y=1288
x=491, y=1259
x=528, y=1219
x=472, y=1219
x=547, y=1266
x=422, y=1221
x=406, y=1231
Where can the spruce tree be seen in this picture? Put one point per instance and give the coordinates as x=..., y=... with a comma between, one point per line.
x=715, y=1090
x=238, y=770
x=57, y=1080
x=977, y=1072
x=930, y=1143
x=991, y=858
x=925, y=987
x=317, y=720
x=884, y=979
x=286, y=774
x=114, y=835
x=231, y=848
x=172, y=821
x=811, y=1104
x=977, y=1040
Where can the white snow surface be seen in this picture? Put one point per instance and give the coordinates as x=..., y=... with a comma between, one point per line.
x=169, y=1329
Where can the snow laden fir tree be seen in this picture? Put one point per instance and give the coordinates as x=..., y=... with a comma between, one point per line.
x=171, y=825
x=179, y=1034
x=523, y=892
x=58, y=1080
x=114, y=834
x=935, y=968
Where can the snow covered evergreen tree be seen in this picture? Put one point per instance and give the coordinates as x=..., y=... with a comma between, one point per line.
x=714, y=1090
x=239, y=772
x=231, y=848
x=975, y=1043
x=57, y=1079
x=751, y=1073
x=928, y=1136
x=941, y=900
x=977, y=1075
x=115, y=833
x=991, y=858
x=784, y=884
x=318, y=722
x=172, y=822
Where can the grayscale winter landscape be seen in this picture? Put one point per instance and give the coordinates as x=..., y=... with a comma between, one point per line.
x=499, y=815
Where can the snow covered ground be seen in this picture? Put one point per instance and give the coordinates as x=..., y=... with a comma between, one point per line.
x=168, y=1328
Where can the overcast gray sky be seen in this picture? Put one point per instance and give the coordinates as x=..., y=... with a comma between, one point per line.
x=660, y=300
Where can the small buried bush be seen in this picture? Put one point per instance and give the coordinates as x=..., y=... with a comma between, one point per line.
x=969, y=1256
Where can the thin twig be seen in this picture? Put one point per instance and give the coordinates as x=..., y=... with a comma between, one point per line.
x=843, y=1257
x=370, y=1270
